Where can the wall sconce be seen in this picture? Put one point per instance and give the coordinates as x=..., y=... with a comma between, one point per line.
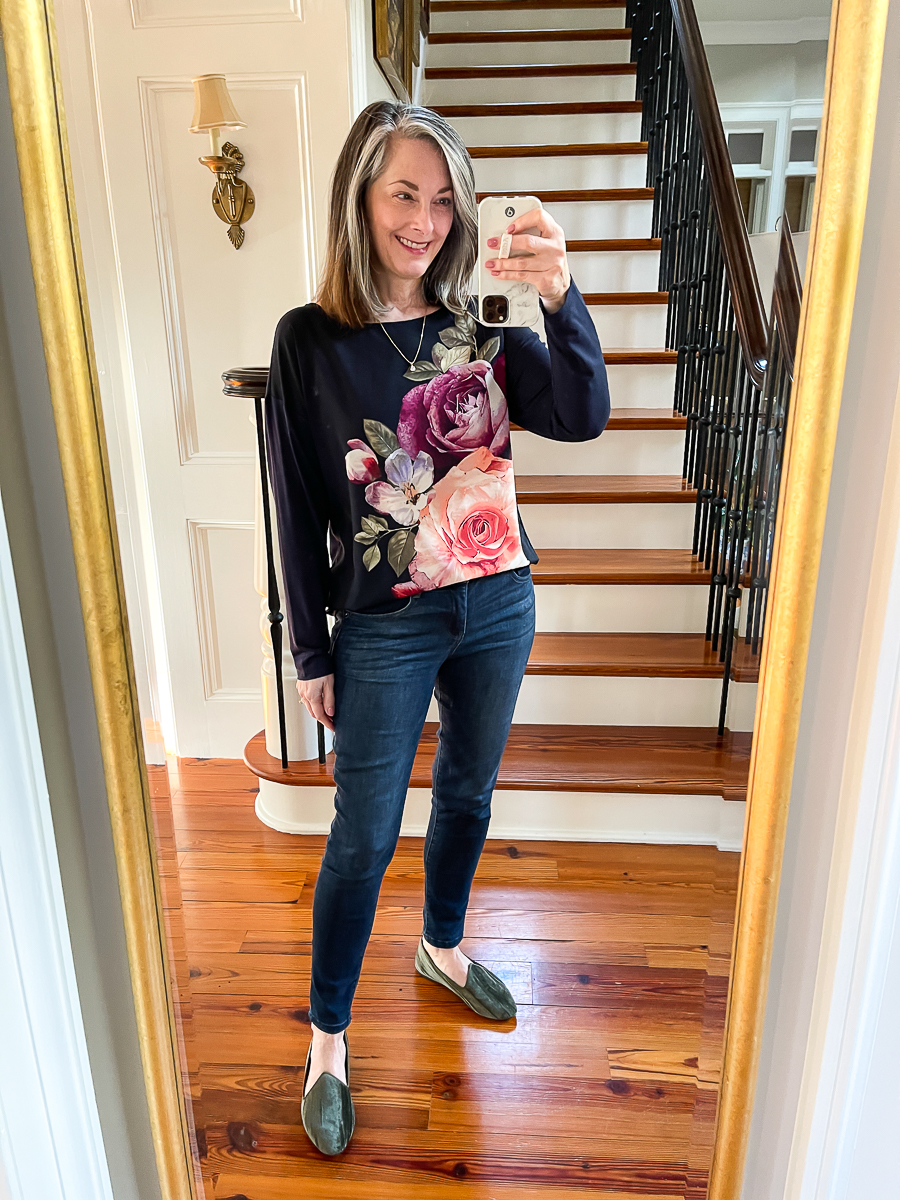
x=232, y=199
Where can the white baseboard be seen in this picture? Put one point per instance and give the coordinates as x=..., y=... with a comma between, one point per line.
x=539, y=816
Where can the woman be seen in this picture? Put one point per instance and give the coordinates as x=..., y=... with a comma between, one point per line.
x=388, y=415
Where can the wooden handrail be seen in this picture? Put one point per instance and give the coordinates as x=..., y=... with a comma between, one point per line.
x=787, y=294
x=746, y=297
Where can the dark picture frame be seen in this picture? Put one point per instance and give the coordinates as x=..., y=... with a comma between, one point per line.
x=396, y=26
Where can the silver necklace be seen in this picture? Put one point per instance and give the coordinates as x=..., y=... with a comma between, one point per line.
x=397, y=348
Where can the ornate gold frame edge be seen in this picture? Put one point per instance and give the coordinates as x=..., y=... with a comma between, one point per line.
x=853, y=75
x=33, y=68
x=854, y=67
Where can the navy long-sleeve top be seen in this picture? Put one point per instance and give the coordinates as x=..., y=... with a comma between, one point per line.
x=391, y=480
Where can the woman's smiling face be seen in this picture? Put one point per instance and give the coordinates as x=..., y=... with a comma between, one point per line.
x=410, y=208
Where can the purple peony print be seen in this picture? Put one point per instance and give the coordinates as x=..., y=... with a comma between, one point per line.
x=453, y=414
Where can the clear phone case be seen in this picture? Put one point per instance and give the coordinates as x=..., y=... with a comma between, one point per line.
x=503, y=302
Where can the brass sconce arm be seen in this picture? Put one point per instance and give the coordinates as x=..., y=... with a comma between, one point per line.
x=232, y=198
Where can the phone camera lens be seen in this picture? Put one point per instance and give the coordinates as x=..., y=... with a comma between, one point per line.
x=510, y=211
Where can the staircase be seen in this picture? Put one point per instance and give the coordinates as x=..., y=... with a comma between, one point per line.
x=622, y=690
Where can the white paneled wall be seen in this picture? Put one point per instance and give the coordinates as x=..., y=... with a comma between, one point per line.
x=174, y=305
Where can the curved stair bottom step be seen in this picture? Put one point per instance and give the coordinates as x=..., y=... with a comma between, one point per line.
x=657, y=760
x=517, y=816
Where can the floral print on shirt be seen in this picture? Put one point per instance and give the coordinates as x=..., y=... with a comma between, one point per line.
x=447, y=502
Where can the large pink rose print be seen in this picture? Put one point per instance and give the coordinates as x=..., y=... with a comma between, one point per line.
x=460, y=410
x=470, y=527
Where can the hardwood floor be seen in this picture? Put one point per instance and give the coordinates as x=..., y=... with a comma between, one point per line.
x=604, y=1084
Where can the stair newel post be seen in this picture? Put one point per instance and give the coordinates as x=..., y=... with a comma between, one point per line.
x=276, y=617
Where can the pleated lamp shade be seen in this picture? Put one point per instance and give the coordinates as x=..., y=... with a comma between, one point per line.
x=213, y=108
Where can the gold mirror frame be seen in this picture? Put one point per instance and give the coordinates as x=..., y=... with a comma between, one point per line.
x=851, y=95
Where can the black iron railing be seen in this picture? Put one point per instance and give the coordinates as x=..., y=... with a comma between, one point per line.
x=251, y=382
x=735, y=363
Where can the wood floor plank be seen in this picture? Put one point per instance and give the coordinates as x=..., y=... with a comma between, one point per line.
x=499, y=1165
x=608, y=949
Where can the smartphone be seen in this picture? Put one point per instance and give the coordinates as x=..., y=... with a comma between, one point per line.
x=504, y=301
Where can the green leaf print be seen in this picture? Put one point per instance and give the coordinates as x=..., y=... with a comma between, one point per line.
x=488, y=351
x=401, y=549
x=459, y=354
x=421, y=372
x=453, y=336
x=382, y=440
x=372, y=558
x=439, y=354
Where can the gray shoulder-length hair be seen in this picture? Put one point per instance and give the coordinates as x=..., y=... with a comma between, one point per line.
x=347, y=289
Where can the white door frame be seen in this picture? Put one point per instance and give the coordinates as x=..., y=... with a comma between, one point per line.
x=51, y=1145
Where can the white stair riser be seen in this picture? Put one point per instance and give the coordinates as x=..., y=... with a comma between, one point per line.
x=614, y=700
x=610, y=526
x=615, y=270
x=639, y=386
x=534, y=90
x=555, y=129
x=516, y=176
x=539, y=18
x=604, y=218
x=479, y=54
x=642, y=326
x=615, y=452
x=545, y=816
x=620, y=608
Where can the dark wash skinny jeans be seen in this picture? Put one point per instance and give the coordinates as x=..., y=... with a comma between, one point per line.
x=468, y=644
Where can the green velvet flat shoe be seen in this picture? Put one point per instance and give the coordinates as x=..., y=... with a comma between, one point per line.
x=327, y=1110
x=484, y=992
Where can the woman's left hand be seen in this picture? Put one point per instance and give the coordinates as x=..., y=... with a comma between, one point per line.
x=546, y=265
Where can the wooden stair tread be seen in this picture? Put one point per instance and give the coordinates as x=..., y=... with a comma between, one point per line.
x=619, y=566
x=582, y=758
x=600, y=245
x=530, y=71
x=480, y=36
x=656, y=655
x=584, y=195
x=547, y=108
x=518, y=5
x=646, y=418
x=603, y=489
x=639, y=418
x=558, y=150
x=637, y=356
x=598, y=298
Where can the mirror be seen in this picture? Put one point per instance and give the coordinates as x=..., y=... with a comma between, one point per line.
x=605, y=897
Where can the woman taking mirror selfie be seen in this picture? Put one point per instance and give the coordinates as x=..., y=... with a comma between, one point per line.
x=388, y=416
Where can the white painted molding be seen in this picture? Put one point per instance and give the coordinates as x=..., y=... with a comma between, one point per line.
x=862, y=906
x=189, y=448
x=358, y=35
x=51, y=1144
x=764, y=33
x=142, y=16
x=204, y=600
x=538, y=816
